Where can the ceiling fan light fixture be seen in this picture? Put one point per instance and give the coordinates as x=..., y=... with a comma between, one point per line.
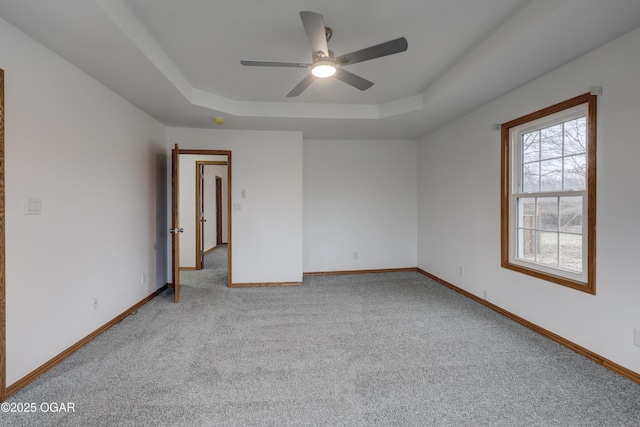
x=323, y=68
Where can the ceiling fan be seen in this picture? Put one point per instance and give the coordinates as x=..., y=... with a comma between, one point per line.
x=324, y=64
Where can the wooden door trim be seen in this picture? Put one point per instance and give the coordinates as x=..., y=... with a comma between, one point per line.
x=229, y=205
x=3, y=341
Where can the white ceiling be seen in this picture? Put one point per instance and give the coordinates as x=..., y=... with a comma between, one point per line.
x=180, y=60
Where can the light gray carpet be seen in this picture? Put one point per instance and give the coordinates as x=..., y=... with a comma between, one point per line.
x=354, y=350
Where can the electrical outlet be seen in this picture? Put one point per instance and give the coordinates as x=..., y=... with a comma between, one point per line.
x=95, y=303
x=143, y=278
x=484, y=294
x=636, y=336
x=356, y=255
x=33, y=206
x=461, y=270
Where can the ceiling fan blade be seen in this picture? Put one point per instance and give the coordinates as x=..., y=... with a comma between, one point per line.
x=300, y=87
x=352, y=79
x=314, y=27
x=382, y=49
x=274, y=64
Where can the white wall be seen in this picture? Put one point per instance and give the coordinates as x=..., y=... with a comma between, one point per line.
x=359, y=196
x=98, y=164
x=267, y=229
x=459, y=205
x=187, y=195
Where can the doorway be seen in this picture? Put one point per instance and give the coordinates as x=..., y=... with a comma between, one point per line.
x=210, y=208
x=181, y=221
x=219, y=221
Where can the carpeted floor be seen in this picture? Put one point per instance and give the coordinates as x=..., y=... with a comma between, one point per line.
x=353, y=350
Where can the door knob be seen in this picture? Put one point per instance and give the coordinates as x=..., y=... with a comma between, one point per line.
x=176, y=230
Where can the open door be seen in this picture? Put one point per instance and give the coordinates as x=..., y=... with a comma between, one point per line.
x=175, y=223
x=175, y=218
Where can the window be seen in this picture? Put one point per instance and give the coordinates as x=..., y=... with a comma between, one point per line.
x=548, y=195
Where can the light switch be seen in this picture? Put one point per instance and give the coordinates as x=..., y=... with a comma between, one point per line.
x=237, y=207
x=33, y=206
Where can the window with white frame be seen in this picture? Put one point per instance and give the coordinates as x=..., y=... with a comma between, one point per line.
x=548, y=193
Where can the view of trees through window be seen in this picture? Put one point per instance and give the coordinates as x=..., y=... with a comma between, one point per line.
x=553, y=159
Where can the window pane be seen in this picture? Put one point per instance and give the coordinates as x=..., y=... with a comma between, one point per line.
x=531, y=177
x=527, y=244
x=548, y=213
x=548, y=248
x=527, y=212
x=551, y=142
x=575, y=172
x=531, y=147
x=551, y=175
x=575, y=136
x=571, y=252
x=571, y=214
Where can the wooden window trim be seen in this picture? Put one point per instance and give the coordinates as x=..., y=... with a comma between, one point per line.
x=505, y=192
